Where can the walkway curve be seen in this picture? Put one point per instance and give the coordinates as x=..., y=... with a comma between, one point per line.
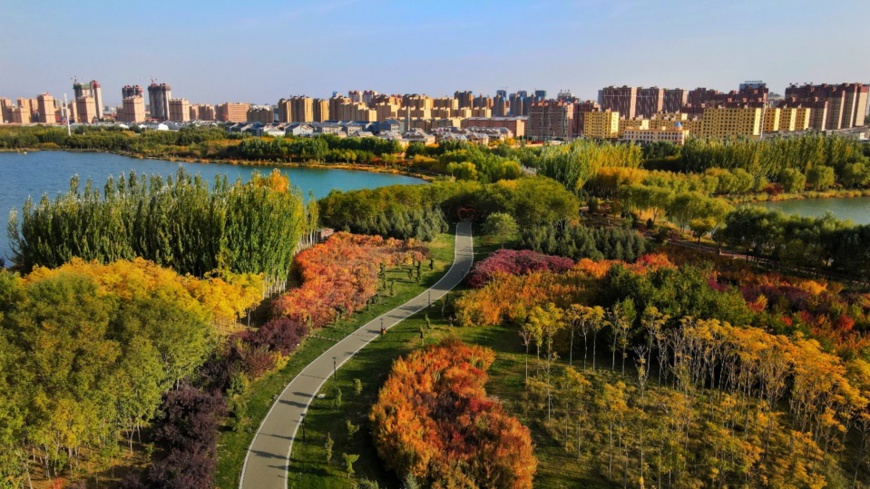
x=268, y=457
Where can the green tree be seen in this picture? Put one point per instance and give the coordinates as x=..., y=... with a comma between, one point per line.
x=820, y=177
x=349, y=460
x=501, y=227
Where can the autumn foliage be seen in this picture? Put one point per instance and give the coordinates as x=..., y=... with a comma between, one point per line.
x=340, y=276
x=514, y=262
x=433, y=420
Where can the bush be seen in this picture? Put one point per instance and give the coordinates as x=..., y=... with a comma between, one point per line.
x=515, y=263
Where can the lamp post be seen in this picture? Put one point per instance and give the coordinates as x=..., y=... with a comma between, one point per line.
x=334, y=368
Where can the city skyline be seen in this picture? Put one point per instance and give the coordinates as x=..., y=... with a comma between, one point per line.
x=218, y=52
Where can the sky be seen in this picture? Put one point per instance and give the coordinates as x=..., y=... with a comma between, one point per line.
x=260, y=51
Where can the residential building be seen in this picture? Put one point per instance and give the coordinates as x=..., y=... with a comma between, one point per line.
x=321, y=110
x=464, y=99
x=158, y=98
x=481, y=112
x=264, y=114
x=619, y=99
x=636, y=123
x=845, y=105
x=500, y=106
x=232, y=112
x=772, y=120
x=179, y=110
x=131, y=91
x=519, y=104
x=97, y=93
x=303, y=108
x=285, y=110
x=725, y=122
x=674, y=100
x=132, y=109
x=674, y=135
x=5, y=110
x=386, y=110
x=202, y=112
x=668, y=120
x=540, y=95
x=85, y=110
x=650, y=101
x=47, y=111
x=516, y=125
x=550, y=120
x=602, y=124
x=21, y=115
x=580, y=110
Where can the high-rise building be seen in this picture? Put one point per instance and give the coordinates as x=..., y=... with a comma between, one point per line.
x=232, y=112
x=97, y=93
x=302, y=109
x=132, y=109
x=5, y=110
x=550, y=120
x=158, y=98
x=580, y=110
x=845, y=104
x=321, y=110
x=674, y=99
x=47, y=111
x=500, y=106
x=501, y=93
x=179, y=110
x=566, y=96
x=285, y=110
x=465, y=99
x=540, y=95
x=601, y=124
x=650, y=101
x=202, y=112
x=771, y=120
x=519, y=103
x=482, y=102
x=355, y=96
x=368, y=97
x=724, y=122
x=131, y=91
x=264, y=114
x=85, y=109
x=619, y=99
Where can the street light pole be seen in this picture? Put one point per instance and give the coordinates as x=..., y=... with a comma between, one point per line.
x=334, y=368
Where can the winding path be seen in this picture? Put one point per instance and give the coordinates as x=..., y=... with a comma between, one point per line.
x=267, y=460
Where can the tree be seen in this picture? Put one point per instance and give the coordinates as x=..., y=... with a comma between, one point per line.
x=820, y=177
x=328, y=447
x=501, y=227
x=349, y=460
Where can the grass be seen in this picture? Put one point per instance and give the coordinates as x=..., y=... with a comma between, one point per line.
x=308, y=465
x=233, y=445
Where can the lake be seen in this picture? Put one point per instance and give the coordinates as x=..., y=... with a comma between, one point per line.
x=41, y=172
x=856, y=209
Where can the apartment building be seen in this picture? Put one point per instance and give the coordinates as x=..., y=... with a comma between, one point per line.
x=602, y=124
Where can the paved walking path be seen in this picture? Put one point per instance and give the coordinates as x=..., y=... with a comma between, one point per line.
x=267, y=460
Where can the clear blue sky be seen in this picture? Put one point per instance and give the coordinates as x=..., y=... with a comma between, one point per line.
x=259, y=51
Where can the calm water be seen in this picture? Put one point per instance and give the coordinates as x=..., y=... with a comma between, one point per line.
x=857, y=209
x=40, y=172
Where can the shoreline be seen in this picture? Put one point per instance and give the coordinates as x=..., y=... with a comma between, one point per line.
x=808, y=195
x=252, y=163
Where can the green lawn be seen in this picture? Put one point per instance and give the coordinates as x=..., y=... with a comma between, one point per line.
x=232, y=445
x=308, y=465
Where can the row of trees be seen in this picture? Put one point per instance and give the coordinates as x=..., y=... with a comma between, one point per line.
x=320, y=148
x=821, y=243
x=434, y=421
x=86, y=353
x=179, y=223
x=529, y=201
x=578, y=241
x=769, y=157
